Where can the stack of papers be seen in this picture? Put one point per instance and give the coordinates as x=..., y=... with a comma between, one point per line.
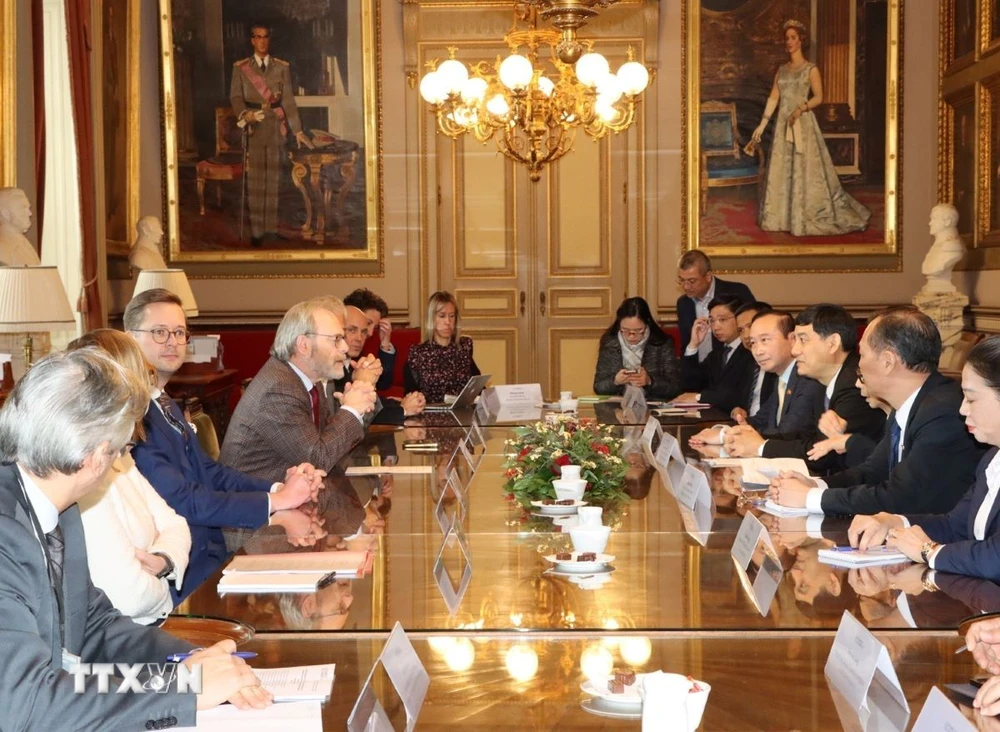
x=389, y=470
x=241, y=582
x=292, y=572
x=758, y=472
x=687, y=405
x=783, y=511
x=304, y=716
x=298, y=683
x=845, y=556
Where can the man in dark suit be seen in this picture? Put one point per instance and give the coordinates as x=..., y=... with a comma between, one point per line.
x=284, y=415
x=824, y=346
x=377, y=313
x=390, y=411
x=206, y=493
x=60, y=430
x=701, y=286
x=926, y=458
x=722, y=380
x=762, y=382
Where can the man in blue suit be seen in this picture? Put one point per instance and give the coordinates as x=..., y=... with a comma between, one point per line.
x=206, y=493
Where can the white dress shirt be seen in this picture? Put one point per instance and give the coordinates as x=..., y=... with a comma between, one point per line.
x=124, y=514
x=782, y=384
x=701, y=311
x=814, y=497
x=755, y=396
x=831, y=386
x=308, y=384
x=45, y=510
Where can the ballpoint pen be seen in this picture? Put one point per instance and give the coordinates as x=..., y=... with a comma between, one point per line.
x=178, y=657
x=869, y=550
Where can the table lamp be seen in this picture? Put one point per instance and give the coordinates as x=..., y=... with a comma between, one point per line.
x=33, y=299
x=172, y=280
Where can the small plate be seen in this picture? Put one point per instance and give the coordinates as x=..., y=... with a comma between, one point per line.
x=580, y=577
x=629, y=698
x=597, y=706
x=574, y=567
x=553, y=510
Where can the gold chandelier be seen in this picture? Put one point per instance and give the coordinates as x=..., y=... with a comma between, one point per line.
x=534, y=105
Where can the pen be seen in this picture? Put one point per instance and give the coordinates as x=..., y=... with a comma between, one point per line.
x=178, y=657
x=960, y=649
x=870, y=550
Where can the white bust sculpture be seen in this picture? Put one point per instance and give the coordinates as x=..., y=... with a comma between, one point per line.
x=15, y=219
x=145, y=253
x=947, y=250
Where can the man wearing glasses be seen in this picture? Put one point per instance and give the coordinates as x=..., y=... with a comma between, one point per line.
x=700, y=286
x=284, y=414
x=206, y=493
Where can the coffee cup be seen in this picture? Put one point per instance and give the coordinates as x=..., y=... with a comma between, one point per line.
x=590, y=515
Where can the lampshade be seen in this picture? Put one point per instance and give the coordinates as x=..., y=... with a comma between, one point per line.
x=173, y=280
x=33, y=299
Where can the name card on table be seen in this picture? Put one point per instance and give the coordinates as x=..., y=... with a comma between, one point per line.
x=693, y=487
x=513, y=395
x=698, y=520
x=452, y=487
x=940, y=715
x=450, y=593
x=669, y=448
x=751, y=532
x=634, y=404
x=652, y=434
x=408, y=677
x=757, y=563
x=857, y=662
x=476, y=440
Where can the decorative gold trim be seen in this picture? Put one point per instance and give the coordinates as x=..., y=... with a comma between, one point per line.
x=553, y=193
x=603, y=310
x=944, y=109
x=371, y=40
x=508, y=336
x=556, y=335
x=690, y=225
x=984, y=135
x=8, y=93
x=466, y=296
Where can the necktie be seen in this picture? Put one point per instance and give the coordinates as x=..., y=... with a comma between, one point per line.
x=782, y=385
x=57, y=552
x=263, y=65
x=729, y=352
x=758, y=384
x=166, y=404
x=314, y=395
x=826, y=402
x=895, y=435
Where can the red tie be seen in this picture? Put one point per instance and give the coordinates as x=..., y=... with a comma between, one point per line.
x=314, y=394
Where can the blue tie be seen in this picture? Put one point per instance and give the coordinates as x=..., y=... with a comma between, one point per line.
x=895, y=435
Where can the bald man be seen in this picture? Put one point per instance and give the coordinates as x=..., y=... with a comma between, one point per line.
x=368, y=369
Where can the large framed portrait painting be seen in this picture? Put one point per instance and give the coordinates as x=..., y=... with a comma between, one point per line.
x=792, y=133
x=272, y=136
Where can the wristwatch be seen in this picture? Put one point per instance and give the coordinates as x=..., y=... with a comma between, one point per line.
x=926, y=579
x=168, y=569
x=926, y=549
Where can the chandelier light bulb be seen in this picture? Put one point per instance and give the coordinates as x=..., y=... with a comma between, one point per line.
x=431, y=88
x=591, y=68
x=461, y=655
x=497, y=106
x=474, y=90
x=516, y=72
x=635, y=650
x=546, y=86
x=606, y=111
x=633, y=78
x=609, y=88
x=521, y=661
x=597, y=663
x=453, y=75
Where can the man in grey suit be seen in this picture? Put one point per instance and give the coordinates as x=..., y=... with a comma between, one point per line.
x=284, y=414
x=60, y=430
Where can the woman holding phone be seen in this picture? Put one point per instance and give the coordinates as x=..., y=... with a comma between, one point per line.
x=635, y=351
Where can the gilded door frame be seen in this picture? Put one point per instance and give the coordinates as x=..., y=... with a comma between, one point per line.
x=8, y=93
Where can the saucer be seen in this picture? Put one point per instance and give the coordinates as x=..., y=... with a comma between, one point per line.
x=574, y=567
x=602, y=575
x=629, y=698
x=597, y=706
x=553, y=510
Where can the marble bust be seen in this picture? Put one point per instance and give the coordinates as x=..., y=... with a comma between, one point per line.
x=15, y=220
x=946, y=251
x=145, y=253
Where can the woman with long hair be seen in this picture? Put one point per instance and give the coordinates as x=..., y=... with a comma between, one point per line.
x=136, y=544
x=442, y=363
x=635, y=351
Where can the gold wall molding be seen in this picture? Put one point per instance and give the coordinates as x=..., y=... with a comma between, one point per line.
x=8, y=93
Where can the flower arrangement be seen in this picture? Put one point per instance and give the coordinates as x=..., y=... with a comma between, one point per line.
x=537, y=453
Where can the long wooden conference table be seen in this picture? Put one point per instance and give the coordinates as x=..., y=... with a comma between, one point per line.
x=515, y=647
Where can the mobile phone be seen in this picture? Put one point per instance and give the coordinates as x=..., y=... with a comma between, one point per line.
x=631, y=371
x=420, y=445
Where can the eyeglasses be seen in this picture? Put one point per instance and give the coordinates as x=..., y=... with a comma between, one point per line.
x=162, y=335
x=720, y=320
x=337, y=339
x=633, y=331
x=122, y=451
x=861, y=376
x=689, y=280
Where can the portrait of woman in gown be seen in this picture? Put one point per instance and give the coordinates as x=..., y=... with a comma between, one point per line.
x=802, y=192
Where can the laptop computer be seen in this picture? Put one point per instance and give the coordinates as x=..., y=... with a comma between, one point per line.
x=466, y=398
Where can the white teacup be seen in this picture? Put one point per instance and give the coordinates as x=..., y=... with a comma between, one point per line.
x=590, y=515
x=568, y=405
x=569, y=489
x=564, y=395
x=570, y=472
x=590, y=538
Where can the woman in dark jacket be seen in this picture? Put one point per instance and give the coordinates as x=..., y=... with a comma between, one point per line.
x=636, y=351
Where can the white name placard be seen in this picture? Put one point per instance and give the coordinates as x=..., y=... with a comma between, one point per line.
x=669, y=449
x=515, y=395
x=693, y=487
x=857, y=661
x=940, y=715
x=652, y=433
x=451, y=594
x=751, y=531
x=408, y=678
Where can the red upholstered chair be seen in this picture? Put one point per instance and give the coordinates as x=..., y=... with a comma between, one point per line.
x=402, y=339
x=228, y=161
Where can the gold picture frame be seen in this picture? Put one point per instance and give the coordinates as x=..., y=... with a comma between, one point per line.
x=356, y=248
x=8, y=93
x=760, y=253
x=120, y=34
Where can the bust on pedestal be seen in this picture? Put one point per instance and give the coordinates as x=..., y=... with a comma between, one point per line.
x=145, y=253
x=15, y=219
x=939, y=299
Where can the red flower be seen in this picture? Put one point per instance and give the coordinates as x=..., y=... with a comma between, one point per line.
x=587, y=488
x=511, y=472
x=524, y=451
x=600, y=447
x=559, y=462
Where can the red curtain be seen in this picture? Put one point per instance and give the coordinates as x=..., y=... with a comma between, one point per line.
x=38, y=71
x=78, y=23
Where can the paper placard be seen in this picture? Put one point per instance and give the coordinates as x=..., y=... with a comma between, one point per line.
x=407, y=676
x=761, y=573
x=515, y=395
x=463, y=447
x=940, y=715
x=746, y=540
x=692, y=487
x=652, y=434
x=673, y=476
x=634, y=399
x=453, y=486
x=452, y=595
x=669, y=448
x=856, y=661
x=698, y=521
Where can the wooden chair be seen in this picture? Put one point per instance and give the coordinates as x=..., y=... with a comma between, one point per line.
x=205, y=428
x=228, y=161
x=723, y=160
